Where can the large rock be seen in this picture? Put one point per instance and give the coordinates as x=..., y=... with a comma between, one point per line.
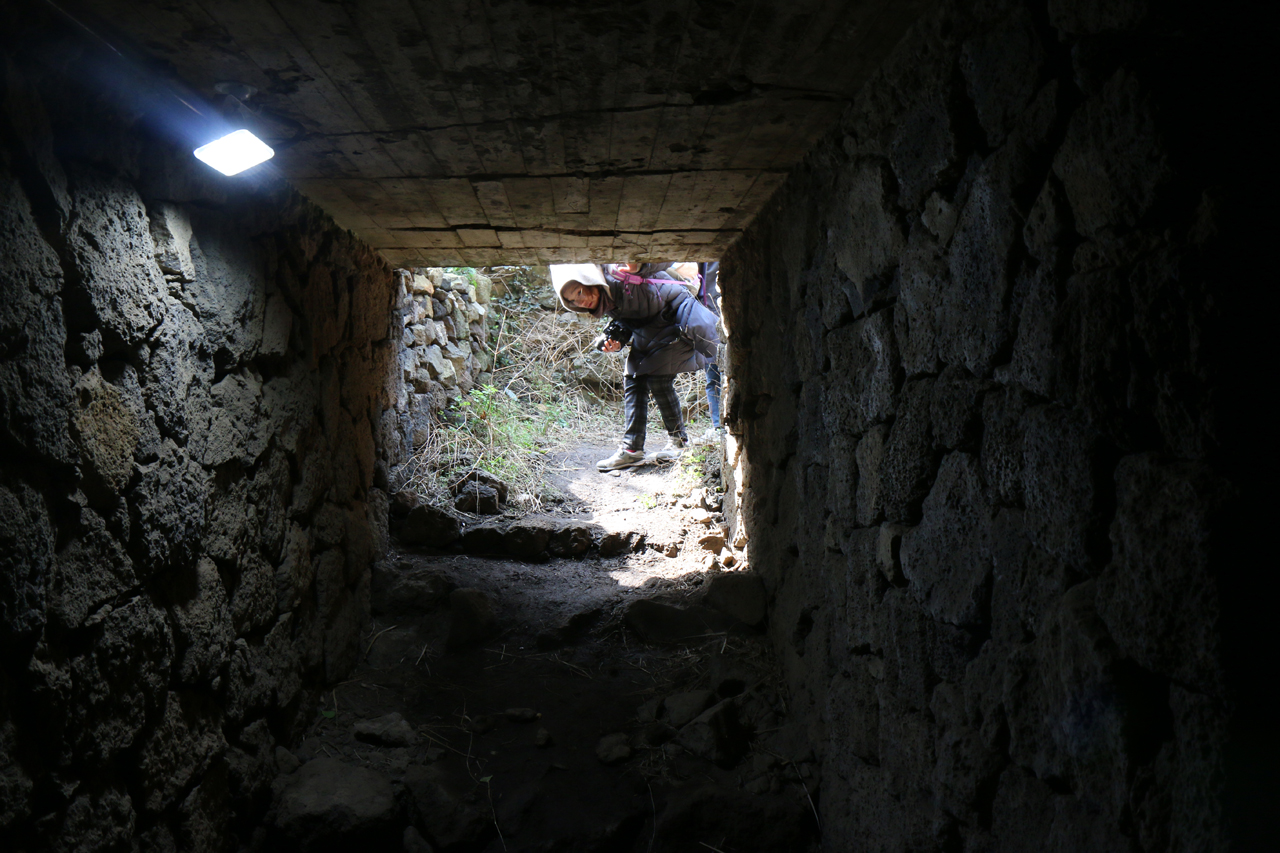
x=1002, y=68
x=870, y=493
x=972, y=311
x=1036, y=348
x=235, y=425
x=252, y=763
x=923, y=151
x=253, y=603
x=616, y=542
x=656, y=622
x=947, y=558
x=430, y=525
x=117, y=283
x=171, y=236
x=908, y=457
x=528, y=540
x=954, y=409
x=1159, y=598
x=923, y=278
x=91, y=570
x=1075, y=711
x=442, y=369
x=1062, y=484
x=122, y=674
x=478, y=498
x=106, y=431
x=179, y=748
x=168, y=511
x=177, y=373
x=202, y=620
x=1048, y=223
x=15, y=782
x=868, y=235
x=1001, y=450
x=228, y=294
x=478, y=477
x=449, y=805
x=101, y=819
x=327, y=804
x=1113, y=163
x=572, y=539
x=35, y=391
x=864, y=356
x=1027, y=581
x=26, y=558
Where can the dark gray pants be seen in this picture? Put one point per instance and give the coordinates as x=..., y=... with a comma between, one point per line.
x=635, y=401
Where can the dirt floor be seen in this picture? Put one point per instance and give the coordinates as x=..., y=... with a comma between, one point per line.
x=565, y=730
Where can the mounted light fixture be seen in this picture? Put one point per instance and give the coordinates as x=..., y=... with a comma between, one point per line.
x=235, y=152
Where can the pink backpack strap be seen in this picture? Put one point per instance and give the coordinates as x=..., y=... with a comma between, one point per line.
x=630, y=278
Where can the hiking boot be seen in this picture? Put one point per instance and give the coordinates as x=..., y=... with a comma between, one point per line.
x=622, y=459
x=713, y=435
x=675, y=447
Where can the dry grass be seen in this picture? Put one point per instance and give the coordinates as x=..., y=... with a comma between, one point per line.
x=509, y=429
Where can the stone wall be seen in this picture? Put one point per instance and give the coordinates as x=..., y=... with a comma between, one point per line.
x=443, y=353
x=192, y=374
x=977, y=349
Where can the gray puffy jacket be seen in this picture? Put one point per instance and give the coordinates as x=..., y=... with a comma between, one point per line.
x=671, y=332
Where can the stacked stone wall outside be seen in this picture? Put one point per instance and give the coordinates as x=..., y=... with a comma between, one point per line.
x=976, y=345
x=442, y=353
x=192, y=376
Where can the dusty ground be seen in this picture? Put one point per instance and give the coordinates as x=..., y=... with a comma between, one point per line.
x=565, y=730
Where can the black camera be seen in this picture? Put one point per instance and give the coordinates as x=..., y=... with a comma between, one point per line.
x=615, y=331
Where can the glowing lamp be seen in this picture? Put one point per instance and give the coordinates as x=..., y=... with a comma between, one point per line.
x=235, y=152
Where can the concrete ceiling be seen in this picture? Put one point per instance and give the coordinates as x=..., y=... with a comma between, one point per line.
x=478, y=132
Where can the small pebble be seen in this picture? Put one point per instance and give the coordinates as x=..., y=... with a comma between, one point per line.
x=614, y=748
x=542, y=739
x=522, y=715
x=480, y=725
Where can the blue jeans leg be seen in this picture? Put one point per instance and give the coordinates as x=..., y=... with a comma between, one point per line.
x=713, y=393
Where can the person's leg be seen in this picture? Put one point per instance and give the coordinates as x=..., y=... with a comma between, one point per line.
x=635, y=404
x=635, y=399
x=663, y=388
x=713, y=394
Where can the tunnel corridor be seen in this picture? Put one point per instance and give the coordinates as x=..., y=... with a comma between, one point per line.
x=995, y=354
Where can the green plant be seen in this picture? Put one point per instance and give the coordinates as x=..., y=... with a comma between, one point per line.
x=648, y=501
x=691, y=467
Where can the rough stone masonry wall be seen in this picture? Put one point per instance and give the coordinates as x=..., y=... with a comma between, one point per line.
x=973, y=346
x=192, y=370
x=443, y=353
